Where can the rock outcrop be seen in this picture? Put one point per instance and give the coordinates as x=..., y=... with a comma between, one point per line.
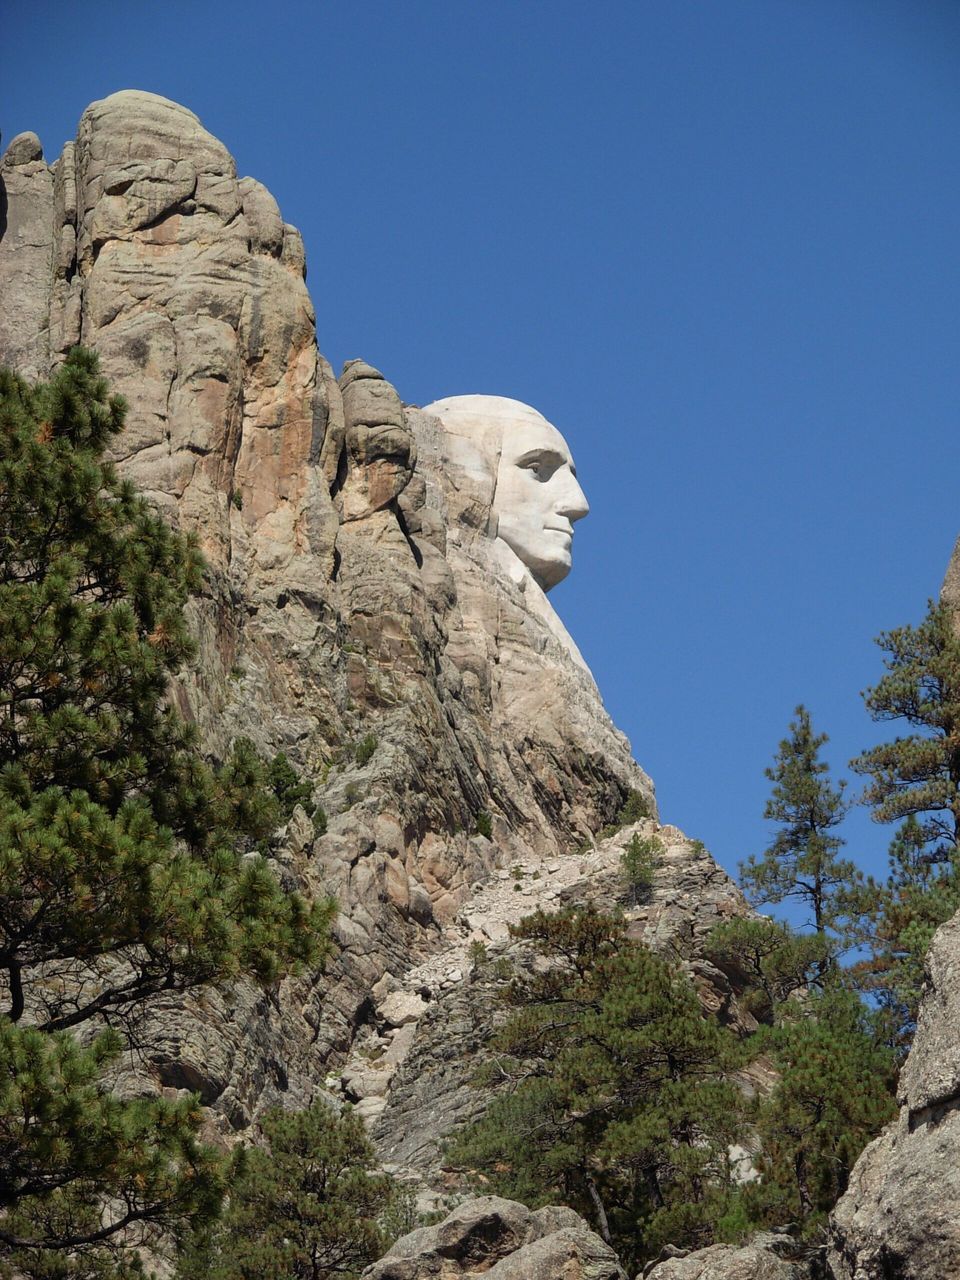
x=900, y=1217
x=501, y=1240
x=430, y=1082
x=356, y=615
x=765, y=1257
x=26, y=255
x=950, y=592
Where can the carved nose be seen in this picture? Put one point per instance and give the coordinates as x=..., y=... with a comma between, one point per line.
x=573, y=502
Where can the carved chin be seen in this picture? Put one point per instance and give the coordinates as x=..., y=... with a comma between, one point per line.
x=548, y=573
x=548, y=564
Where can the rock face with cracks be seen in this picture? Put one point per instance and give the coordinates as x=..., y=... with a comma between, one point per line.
x=502, y=1240
x=358, y=613
x=347, y=597
x=768, y=1256
x=900, y=1217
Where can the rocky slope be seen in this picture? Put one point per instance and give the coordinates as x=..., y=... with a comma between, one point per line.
x=411, y=1072
x=354, y=613
x=357, y=616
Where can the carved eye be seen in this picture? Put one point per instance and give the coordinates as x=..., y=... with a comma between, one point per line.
x=542, y=468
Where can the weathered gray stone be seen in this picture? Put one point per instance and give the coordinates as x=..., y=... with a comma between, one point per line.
x=27, y=246
x=401, y=1007
x=930, y=1078
x=503, y=1240
x=900, y=1217
x=23, y=149
x=353, y=589
x=379, y=453
x=950, y=591
x=766, y=1257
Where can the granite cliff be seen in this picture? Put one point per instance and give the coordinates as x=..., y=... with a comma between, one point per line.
x=361, y=614
x=357, y=613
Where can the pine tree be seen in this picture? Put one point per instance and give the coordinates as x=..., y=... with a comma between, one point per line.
x=616, y=1100
x=307, y=1205
x=121, y=868
x=919, y=775
x=914, y=781
x=637, y=864
x=896, y=922
x=834, y=1093
x=802, y=862
x=768, y=961
x=84, y=1176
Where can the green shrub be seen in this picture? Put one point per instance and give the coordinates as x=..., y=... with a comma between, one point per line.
x=483, y=825
x=310, y=1203
x=363, y=751
x=617, y=1102
x=635, y=809
x=352, y=794
x=287, y=785
x=637, y=862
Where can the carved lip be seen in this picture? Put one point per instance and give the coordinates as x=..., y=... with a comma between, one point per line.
x=560, y=528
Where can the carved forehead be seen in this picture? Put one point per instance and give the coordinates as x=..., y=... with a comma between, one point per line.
x=497, y=424
x=469, y=414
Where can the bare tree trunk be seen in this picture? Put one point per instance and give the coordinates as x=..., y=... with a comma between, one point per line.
x=601, y=1211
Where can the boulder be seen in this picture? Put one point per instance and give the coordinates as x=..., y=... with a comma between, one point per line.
x=501, y=1240
x=766, y=1257
x=401, y=1008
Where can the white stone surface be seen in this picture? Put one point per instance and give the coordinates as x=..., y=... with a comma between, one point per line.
x=401, y=1007
x=536, y=496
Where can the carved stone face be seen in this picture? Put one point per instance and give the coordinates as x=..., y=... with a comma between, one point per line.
x=536, y=496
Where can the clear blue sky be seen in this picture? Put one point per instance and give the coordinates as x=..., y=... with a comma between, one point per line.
x=716, y=243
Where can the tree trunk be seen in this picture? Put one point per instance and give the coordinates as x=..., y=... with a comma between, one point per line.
x=601, y=1211
x=800, y=1169
x=16, y=992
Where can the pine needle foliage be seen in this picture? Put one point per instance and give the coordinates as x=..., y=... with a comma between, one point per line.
x=84, y=1176
x=122, y=868
x=913, y=781
x=834, y=1093
x=768, y=962
x=802, y=862
x=307, y=1205
x=613, y=1091
x=897, y=922
x=638, y=862
x=919, y=774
